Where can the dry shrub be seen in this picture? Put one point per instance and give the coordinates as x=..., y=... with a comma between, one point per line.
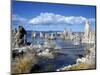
x=24, y=64
x=82, y=66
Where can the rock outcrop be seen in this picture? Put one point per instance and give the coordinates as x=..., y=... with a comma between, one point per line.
x=20, y=37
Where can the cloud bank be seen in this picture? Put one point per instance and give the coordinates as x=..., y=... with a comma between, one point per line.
x=51, y=18
x=18, y=18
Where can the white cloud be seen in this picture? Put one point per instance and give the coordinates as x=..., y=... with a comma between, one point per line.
x=18, y=18
x=92, y=20
x=51, y=18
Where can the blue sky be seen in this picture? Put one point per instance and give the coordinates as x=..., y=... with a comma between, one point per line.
x=57, y=17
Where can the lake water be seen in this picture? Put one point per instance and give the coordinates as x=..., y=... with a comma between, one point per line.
x=66, y=56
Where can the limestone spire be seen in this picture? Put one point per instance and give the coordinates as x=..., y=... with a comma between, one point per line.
x=87, y=29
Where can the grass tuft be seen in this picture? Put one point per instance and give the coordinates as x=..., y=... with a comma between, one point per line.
x=24, y=64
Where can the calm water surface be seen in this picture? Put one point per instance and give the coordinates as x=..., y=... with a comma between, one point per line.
x=66, y=56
